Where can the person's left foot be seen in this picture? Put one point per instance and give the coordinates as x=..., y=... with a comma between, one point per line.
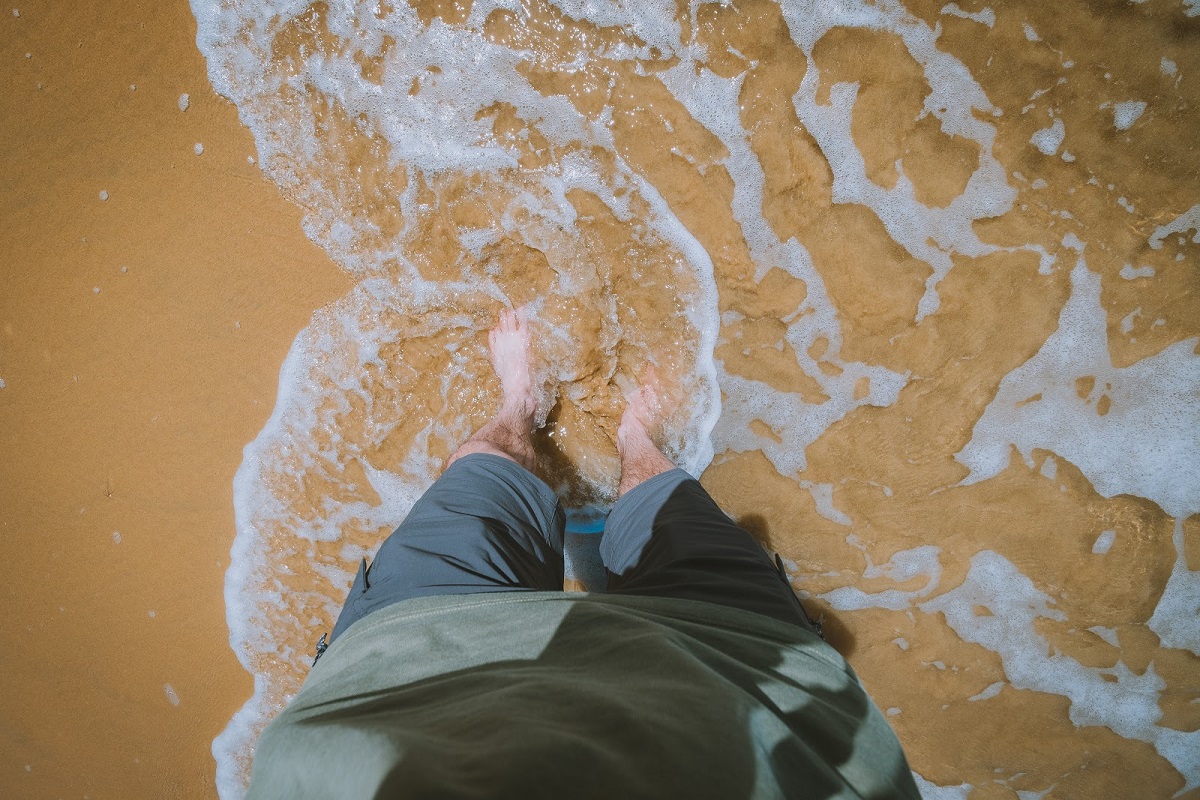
x=509, y=343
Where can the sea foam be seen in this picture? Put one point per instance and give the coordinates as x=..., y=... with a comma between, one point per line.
x=376, y=122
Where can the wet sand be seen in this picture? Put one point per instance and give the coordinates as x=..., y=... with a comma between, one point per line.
x=124, y=411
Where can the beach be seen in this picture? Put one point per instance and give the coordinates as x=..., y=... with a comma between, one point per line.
x=921, y=282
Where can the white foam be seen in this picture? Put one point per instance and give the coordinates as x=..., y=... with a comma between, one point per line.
x=1188, y=220
x=984, y=16
x=1128, y=320
x=1104, y=542
x=901, y=567
x=1049, y=468
x=1115, y=697
x=1127, y=113
x=1167, y=66
x=1145, y=445
x=184, y=101
x=1026, y=794
x=991, y=691
x=437, y=130
x=1109, y=635
x=822, y=495
x=713, y=101
x=1049, y=139
x=1130, y=272
x=1176, y=618
x=929, y=234
x=931, y=791
x=172, y=696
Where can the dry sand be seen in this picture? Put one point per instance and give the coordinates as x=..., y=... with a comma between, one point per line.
x=125, y=410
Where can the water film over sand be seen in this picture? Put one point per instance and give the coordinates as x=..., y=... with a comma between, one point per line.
x=920, y=279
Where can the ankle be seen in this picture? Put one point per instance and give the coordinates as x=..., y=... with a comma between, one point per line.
x=520, y=407
x=641, y=460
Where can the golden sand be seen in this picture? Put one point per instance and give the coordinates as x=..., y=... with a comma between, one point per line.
x=141, y=337
x=125, y=411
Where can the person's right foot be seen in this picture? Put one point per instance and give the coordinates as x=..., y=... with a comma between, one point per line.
x=641, y=409
x=641, y=459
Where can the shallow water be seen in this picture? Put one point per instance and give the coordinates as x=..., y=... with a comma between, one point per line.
x=922, y=277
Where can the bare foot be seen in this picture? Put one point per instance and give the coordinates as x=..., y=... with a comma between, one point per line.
x=641, y=412
x=640, y=457
x=509, y=343
x=508, y=433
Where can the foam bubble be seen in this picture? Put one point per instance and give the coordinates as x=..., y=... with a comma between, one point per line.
x=902, y=566
x=1176, y=618
x=1142, y=446
x=1127, y=113
x=1128, y=320
x=984, y=16
x=991, y=691
x=1115, y=697
x=931, y=791
x=1049, y=139
x=1187, y=221
x=184, y=101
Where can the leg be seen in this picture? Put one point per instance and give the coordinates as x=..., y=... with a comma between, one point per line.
x=509, y=433
x=487, y=524
x=666, y=537
x=641, y=459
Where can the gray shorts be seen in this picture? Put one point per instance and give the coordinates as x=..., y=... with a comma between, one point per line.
x=489, y=525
